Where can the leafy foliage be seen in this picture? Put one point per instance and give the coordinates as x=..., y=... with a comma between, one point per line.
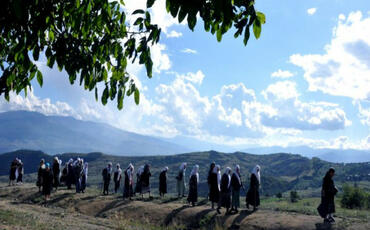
x=355, y=197
x=92, y=42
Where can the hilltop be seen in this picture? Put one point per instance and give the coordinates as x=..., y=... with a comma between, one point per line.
x=280, y=172
x=22, y=207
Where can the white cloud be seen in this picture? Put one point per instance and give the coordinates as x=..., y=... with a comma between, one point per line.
x=282, y=90
x=344, y=68
x=161, y=61
x=189, y=51
x=174, y=34
x=36, y=104
x=311, y=11
x=282, y=74
x=364, y=115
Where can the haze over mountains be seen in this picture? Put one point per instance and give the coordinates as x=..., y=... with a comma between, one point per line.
x=57, y=134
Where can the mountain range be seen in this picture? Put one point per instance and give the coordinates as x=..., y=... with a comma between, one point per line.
x=57, y=134
x=280, y=172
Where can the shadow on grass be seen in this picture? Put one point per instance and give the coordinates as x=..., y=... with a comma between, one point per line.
x=173, y=214
x=239, y=219
x=111, y=205
x=326, y=226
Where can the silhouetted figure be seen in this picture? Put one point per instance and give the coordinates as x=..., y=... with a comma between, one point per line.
x=138, y=179
x=225, y=194
x=56, y=172
x=193, y=185
x=163, y=182
x=12, y=172
x=211, y=167
x=236, y=185
x=181, y=185
x=70, y=174
x=78, y=169
x=47, y=182
x=214, y=185
x=117, y=178
x=20, y=170
x=253, y=195
x=40, y=174
x=63, y=177
x=145, y=180
x=129, y=177
x=106, y=178
x=84, y=177
x=327, y=207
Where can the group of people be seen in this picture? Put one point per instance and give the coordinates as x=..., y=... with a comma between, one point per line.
x=16, y=172
x=51, y=176
x=223, y=190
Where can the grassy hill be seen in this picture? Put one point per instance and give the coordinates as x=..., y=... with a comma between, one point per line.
x=280, y=172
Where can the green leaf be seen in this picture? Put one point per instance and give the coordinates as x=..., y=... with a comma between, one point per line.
x=219, y=35
x=36, y=53
x=149, y=3
x=105, y=96
x=88, y=9
x=96, y=93
x=120, y=99
x=257, y=28
x=39, y=78
x=137, y=96
x=247, y=34
x=138, y=21
x=138, y=11
x=261, y=17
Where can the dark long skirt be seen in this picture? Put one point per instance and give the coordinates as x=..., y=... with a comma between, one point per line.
x=47, y=185
x=327, y=206
x=162, y=183
x=193, y=190
x=225, y=199
x=214, y=192
x=83, y=183
x=20, y=177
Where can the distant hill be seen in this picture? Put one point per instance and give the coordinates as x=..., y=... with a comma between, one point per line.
x=280, y=172
x=332, y=155
x=56, y=134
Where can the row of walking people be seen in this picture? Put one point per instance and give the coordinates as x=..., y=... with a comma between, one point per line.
x=50, y=177
x=224, y=190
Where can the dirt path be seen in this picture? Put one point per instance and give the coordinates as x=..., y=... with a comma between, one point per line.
x=67, y=210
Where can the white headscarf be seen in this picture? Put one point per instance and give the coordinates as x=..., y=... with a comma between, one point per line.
x=217, y=170
x=195, y=172
x=228, y=172
x=182, y=166
x=237, y=173
x=140, y=170
x=86, y=169
x=165, y=169
x=257, y=173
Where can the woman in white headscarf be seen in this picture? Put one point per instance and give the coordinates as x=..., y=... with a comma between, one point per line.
x=85, y=172
x=138, y=182
x=129, y=174
x=225, y=193
x=163, y=181
x=56, y=173
x=181, y=180
x=253, y=196
x=236, y=185
x=214, y=185
x=193, y=185
x=117, y=178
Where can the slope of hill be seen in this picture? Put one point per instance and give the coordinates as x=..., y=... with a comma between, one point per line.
x=280, y=172
x=22, y=207
x=56, y=134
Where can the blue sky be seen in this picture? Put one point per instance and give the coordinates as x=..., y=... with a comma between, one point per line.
x=306, y=81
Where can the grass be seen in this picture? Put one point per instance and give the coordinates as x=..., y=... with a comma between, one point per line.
x=309, y=206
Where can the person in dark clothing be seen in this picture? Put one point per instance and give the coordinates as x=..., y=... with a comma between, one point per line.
x=106, y=178
x=253, y=196
x=78, y=169
x=211, y=167
x=163, y=182
x=193, y=185
x=84, y=177
x=117, y=178
x=40, y=174
x=56, y=173
x=70, y=174
x=47, y=182
x=12, y=173
x=20, y=170
x=236, y=185
x=145, y=180
x=63, y=178
x=327, y=207
x=138, y=177
x=214, y=185
x=225, y=191
x=129, y=177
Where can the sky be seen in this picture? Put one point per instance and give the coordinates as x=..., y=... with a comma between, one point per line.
x=306, y=81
